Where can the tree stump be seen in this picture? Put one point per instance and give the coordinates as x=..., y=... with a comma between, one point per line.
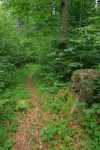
x=82, y=85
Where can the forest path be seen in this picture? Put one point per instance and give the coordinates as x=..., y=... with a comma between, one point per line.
x=28, y=136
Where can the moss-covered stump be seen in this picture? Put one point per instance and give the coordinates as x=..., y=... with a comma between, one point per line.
x=83, y=85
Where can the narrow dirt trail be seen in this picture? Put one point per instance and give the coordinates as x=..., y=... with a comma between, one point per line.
x=28, y=134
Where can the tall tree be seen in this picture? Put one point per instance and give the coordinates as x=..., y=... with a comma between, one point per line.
x=64, y=24
x=97, y=3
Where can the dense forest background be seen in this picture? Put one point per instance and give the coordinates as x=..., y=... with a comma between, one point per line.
x=60, y=36
x=35, y=31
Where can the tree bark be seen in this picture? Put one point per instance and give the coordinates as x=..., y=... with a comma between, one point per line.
x=97, y=3
x=17, y=25
x=81, y=8
x=64, y=24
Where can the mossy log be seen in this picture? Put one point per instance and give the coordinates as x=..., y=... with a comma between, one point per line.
x=82, y=85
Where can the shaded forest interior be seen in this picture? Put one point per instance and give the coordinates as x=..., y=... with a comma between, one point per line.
x=50, y=40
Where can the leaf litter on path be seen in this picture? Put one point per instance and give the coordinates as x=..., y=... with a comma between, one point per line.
x=28, y=136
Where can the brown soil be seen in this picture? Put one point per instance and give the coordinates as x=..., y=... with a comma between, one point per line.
x=28, y=136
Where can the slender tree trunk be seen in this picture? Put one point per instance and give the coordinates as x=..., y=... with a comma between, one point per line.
x=96, y=3
x=81, y=8
x=18, y=25
x=63, y=34
x=51, y=17
x=64, y=24
x=25, y=24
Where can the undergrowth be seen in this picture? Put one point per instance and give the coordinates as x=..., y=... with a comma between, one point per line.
x=65, y=131
x=90, y=122
x=14, y=101
x=58, y=100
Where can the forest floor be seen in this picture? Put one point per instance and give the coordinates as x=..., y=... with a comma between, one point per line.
x=47, y=124
x=28, y=136
x=38, y=114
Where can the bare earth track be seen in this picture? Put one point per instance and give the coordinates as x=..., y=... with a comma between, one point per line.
x=28, y=136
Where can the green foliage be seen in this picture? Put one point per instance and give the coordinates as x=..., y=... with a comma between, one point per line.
x=40, y=40
x=96, y=90
x=6, y=140
x=29, y=33
x=13, y=99
x=6, y=68
x=22, y=104
x=89, y=121
x=6, y=45
x=55, y=105
x=57, y=132
x=14, y=48
x=82, y=52
x=80, y=11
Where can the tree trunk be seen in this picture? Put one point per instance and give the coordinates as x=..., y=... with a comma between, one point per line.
x=17, y=25
x=96, y=3
x=81, y=5
x=64, y=24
